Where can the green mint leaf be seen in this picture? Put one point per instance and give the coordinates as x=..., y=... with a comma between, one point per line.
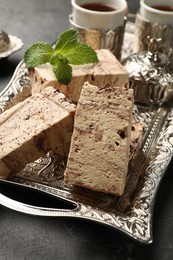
x=66, y=40
x=81, y=54
x=76, y=52
x=63, y=72
x=39, y=53
x=54, y=60
x=68, y=51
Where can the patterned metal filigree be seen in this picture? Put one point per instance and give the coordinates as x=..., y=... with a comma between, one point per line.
x=144, y=28
x=18, y=88
x=151, y=75
x=131, y=213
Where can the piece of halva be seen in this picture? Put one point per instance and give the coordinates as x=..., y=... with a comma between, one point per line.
x=107, y=72
x=100, y=146
x=32, y=128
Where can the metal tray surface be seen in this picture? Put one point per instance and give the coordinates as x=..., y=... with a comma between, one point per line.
x=131, y=213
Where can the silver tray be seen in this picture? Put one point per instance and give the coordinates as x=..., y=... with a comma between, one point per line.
x=15, y=45
x=131, y=213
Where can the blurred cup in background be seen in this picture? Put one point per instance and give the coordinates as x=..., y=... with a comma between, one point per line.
x=157, y=11
x=100, y=23
x=155, y=19
x=99, y=14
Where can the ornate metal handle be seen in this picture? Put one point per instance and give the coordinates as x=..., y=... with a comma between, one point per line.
x=65, y=208
x=34, y=210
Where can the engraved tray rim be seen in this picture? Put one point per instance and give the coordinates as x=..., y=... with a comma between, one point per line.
x=138, y=225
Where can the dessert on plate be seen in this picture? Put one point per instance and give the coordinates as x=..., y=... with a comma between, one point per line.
x=31, y=128
x=100, y=147
x=107, y=71
x=89, y=121
x=4, y=41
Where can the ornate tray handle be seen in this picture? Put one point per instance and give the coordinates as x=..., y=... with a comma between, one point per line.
x=70, y=208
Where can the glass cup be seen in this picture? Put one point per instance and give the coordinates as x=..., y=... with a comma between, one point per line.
x=155, y=19
x=100, y=23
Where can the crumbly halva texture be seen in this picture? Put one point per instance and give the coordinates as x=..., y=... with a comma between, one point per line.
x=137, y=130
x=99, y=152
x=107, y=72
x=33, y=127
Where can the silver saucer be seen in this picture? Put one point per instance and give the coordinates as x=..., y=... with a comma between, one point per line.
x=15, y=45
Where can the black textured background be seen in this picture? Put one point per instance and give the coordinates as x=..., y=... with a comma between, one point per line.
x=27, y=237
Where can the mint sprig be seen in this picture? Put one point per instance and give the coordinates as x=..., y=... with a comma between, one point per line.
x=68, y=50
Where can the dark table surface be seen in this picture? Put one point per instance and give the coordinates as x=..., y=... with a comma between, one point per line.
x=31, y=237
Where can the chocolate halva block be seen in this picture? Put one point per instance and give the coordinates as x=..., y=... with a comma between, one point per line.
x=30, y=129
x=108, y=71
x=100, y=146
